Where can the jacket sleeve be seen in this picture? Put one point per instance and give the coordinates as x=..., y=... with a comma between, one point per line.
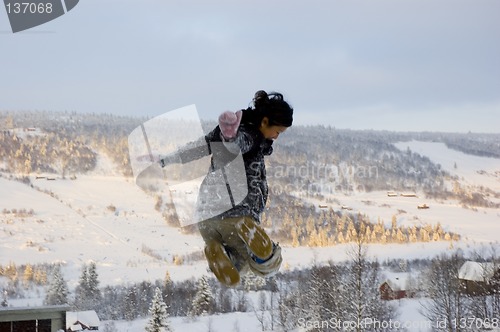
x=187, y=153
x=245, y=141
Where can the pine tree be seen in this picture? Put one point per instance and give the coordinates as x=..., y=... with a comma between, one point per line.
x=203, y=300
x=129, y=309
x=168, y=289
x=28, y=275
x=81, y=289
x=40, y=277
x=159, y=315
x=88, y=295
x=295, y=236
x=58, y=289
x=93, y=285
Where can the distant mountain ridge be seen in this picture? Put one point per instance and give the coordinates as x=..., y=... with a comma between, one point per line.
x=350, y=160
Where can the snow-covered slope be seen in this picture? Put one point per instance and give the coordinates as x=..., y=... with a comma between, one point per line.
x=106, y=218
x=98, y=217
x=475, y=225
x=474, y=170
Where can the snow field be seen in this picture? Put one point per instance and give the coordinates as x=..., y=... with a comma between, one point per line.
x=106, y=218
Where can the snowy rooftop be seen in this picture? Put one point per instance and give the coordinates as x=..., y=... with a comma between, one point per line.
x=475, y=271
x=397, y=281
x=87, y=318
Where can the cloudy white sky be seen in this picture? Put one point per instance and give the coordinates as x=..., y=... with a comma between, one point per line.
x=373, y=64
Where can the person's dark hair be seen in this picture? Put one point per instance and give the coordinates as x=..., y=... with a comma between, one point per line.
x=272, y=106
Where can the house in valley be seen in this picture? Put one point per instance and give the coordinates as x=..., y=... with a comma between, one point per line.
x=397, y=286
x=82, y=321
x=479, y=278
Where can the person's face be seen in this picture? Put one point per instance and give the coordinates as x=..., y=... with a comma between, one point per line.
x=270, y=131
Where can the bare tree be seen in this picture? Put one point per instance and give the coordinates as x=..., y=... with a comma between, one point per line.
x=448, y=305
x=362, y=301
x=347, y=296
x=485, y=305
x=289, y=306
x=261, y=310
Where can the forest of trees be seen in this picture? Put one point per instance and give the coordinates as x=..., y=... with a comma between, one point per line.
x=313, y=159
x=297, y=224
x=328, y=294
x=63, y=143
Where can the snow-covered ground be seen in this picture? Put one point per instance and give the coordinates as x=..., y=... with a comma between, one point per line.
x=242, y=322
x=408, y=309
x=76, y=225
x=106, y=218
x=450, y=214
x=478, y=171
x=476, y=226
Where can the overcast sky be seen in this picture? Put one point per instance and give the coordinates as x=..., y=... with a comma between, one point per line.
x=376, y=64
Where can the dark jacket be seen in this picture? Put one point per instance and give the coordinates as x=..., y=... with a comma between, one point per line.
x=232, y=188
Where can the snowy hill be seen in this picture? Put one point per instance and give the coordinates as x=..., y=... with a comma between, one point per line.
x=73, y=222
x=472, y=170
x=102, y=216
x=106, y=218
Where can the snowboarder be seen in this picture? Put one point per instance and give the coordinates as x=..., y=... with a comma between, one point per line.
x=235, y=242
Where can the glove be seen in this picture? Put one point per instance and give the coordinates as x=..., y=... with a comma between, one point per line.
x=229, y=123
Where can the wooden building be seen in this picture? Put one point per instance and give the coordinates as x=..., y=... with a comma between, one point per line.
x=479, y=278
x=33, y=319
x=396, y=286
x=77, y=321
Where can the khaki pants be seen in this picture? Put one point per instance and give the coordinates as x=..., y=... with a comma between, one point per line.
x=228, y=232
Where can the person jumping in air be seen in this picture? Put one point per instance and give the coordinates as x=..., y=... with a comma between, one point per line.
x=235, y=242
